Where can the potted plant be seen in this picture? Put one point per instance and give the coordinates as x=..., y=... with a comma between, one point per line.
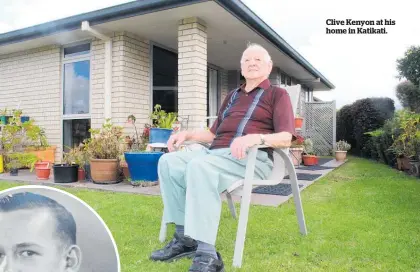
x=403, y=162
x=66, y=172
x=408, y=140
x=309, y=157
x=297, y=149
x=18, y=160
x=40, y=146
x=298, y=121
x=124, y=167
x=43, y=170
x=104, y=149
x=142, y=164
x=341, y=150
x=81, y=159
x=3, y=117
x=162, y=125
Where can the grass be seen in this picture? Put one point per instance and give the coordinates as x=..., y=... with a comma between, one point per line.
x=361, y=217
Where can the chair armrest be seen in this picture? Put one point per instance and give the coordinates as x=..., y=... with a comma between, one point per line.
x=252, y=157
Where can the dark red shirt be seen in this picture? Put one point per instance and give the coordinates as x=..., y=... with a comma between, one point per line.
x=271, y=112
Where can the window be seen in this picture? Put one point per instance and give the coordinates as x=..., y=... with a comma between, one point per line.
x=76, y=95
x=165, y=79
x=76, y=87
x=75, y=131
x=76, y=50
x=288, y=81
x=283, y=78
x=213, y=93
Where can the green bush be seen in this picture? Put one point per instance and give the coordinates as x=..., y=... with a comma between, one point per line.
x=345, y=125
x=364, y=115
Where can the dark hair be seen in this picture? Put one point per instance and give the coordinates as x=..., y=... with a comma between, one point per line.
x=66, y=226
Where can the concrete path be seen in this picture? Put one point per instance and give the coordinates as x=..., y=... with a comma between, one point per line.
x=26, y=177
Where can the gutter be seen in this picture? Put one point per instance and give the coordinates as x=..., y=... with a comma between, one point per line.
x=244, y=14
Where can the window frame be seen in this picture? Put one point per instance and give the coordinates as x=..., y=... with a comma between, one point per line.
x=73, y=59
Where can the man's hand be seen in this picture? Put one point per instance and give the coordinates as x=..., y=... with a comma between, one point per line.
x=176, y=140
x=240, y=145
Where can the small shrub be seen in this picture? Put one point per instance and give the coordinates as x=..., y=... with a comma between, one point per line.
x=106, y=143
x=342, y=146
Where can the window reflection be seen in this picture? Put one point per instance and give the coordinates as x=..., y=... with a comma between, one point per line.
x=76, y=87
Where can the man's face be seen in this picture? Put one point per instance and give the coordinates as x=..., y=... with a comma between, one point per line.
x=255, y=64
x=28, y=242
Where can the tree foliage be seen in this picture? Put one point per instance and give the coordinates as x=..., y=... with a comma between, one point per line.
x=364, y=115
x=409, y=96
x=409, y=65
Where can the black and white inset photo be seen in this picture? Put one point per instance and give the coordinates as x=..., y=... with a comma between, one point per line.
x=44, y=229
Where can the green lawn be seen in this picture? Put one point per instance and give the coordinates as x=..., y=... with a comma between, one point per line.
x=361, y=217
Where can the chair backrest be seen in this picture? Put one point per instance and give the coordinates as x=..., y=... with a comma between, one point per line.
x=279, y=168
x=294, y=94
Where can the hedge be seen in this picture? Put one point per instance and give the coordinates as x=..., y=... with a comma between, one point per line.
x=364, y=115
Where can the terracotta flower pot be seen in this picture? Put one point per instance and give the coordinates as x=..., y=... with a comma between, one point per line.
x=124, y=167
x=81, y=174
x=126, y=172
x=298, y=122
x=42, y=164
x=104, y=171
x=310, y=160
x=43, y=173
x=340, y=155
x=296, y=155
x=403, y=163
x=43, y=170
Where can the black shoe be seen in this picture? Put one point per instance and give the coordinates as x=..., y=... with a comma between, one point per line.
x=206, y=263
x=179, y=247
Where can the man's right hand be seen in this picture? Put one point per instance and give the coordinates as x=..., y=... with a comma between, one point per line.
x=176, y=140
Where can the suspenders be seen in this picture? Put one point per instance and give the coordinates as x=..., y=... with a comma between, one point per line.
x=247, y=116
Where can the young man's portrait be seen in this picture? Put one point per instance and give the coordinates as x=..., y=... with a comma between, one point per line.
x=37, y=234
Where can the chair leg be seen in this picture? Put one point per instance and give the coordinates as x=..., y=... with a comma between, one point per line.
x=242, y=225
x=296, y=196
x=231, y=205
x=162, y=234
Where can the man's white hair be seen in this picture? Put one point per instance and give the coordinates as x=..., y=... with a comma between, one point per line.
x=257, y=46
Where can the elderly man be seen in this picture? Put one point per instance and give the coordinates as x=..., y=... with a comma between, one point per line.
x=191, y=182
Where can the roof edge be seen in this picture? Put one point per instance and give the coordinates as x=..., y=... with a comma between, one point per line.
x=247, y=16
x=94, y=17
x=236, y=7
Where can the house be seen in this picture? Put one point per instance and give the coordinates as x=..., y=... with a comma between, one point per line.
x=71, y=74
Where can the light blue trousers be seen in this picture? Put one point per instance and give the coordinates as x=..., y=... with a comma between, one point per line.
x=191, y=183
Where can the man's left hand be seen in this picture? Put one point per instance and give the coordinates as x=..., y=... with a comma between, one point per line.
x=241, y=144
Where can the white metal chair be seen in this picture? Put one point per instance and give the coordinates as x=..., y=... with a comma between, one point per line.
x=283, y=165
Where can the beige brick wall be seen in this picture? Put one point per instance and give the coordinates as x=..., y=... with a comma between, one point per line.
x=97, y=78
x=33, y=79
x=192, y=70
x=130, y=92
x=131, y=80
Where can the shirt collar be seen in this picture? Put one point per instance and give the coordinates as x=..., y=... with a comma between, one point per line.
x=265, y=84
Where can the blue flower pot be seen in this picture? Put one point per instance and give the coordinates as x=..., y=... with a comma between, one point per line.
x=24, y=119
x=159, y=135
x=143, y=166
